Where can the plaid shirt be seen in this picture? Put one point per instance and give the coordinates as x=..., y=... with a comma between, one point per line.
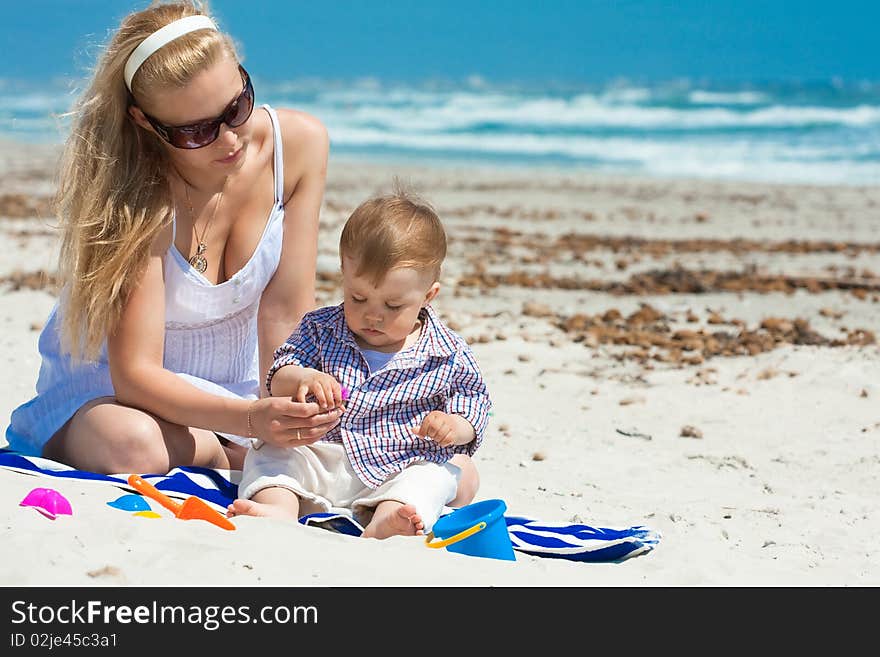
x=439, y=372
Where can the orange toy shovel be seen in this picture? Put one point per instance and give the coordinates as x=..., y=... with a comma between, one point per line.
x=192, y=508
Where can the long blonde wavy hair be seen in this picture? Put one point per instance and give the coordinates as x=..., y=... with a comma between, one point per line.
x=113, y=197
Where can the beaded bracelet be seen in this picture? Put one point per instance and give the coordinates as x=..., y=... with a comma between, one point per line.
x=250, y=427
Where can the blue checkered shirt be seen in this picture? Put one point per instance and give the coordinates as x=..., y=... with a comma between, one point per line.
x=439, y=372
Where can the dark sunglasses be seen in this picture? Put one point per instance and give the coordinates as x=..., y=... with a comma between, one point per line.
x=202, y=133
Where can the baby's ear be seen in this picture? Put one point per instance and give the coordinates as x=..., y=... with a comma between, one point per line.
x=432, y=292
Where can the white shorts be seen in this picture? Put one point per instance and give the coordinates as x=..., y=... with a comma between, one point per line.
x=322, y=477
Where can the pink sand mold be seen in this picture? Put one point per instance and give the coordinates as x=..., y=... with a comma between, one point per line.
x=49, y=502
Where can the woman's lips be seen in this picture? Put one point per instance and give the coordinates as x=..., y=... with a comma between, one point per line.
x=231, y=158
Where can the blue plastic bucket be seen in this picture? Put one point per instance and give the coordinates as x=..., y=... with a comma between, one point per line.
x=478, y=529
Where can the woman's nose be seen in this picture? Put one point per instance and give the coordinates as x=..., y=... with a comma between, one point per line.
x=228, y=136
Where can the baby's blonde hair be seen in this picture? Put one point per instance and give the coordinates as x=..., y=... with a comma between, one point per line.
x=113, y=196
x=394, y=231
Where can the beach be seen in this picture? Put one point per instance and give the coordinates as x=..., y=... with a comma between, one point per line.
x=698, y=357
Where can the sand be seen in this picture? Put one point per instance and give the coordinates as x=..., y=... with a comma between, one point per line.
x=697, y=357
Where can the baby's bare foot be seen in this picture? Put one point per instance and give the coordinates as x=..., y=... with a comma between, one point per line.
x=394, y=519
x=260, y=509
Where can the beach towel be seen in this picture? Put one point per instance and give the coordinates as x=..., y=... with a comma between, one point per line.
x=555, y=540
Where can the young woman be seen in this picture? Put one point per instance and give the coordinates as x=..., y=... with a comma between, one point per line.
x=190, y=224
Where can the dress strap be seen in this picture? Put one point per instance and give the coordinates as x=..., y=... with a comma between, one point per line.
x=279, y=155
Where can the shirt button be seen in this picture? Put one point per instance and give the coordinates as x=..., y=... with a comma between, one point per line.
x=237, y=282
x=236, y=300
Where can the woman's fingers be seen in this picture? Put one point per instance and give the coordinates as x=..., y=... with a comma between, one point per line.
x=286, y=423
x=297, y=423
x=306, y=435
x=318, y=430
x=288, y=407
x=330, y=416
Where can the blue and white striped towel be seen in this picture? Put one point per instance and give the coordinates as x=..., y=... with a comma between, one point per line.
x=556, y=540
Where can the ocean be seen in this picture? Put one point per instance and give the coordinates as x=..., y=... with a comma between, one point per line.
x=728, y=90
x=801, y=133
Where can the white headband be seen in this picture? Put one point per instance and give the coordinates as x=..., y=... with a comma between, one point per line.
x=162, y=36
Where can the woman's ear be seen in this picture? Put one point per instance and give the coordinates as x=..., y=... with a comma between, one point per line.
x=138, y=117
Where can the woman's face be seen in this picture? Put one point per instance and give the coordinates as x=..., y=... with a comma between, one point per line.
x=205, y=97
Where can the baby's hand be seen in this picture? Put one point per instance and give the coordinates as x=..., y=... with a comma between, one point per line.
x=439, y=427
x=326, y=390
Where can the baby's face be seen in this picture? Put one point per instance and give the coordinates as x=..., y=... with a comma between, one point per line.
x=382, y=317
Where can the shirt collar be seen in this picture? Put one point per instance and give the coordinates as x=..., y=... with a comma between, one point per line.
x=436, y=339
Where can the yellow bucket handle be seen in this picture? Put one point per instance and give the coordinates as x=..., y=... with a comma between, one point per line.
x=460, y=536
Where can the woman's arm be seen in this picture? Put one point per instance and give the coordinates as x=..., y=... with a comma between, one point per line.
x=135, y=351
x=291, y=292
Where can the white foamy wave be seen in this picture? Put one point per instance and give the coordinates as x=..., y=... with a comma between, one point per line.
x=708, y=158
x=605, y=148
x=462, y=111
x=626, y=95
x=699, y=97
x=812, y=133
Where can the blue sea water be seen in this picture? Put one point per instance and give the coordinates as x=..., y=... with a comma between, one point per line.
x=717, y=90
x=816, y=133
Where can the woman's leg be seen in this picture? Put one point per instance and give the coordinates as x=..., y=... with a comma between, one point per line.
x=104, y=436
x=468, y=483
x=235, y=453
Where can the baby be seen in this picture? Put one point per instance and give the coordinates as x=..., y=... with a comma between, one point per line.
x=416, y=398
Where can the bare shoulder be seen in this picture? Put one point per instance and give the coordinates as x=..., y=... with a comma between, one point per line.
x=299, y=125
x=306, y=147
x=303, y=135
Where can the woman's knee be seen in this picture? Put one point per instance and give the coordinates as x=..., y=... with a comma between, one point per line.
x=112, y=439
x=138, y=446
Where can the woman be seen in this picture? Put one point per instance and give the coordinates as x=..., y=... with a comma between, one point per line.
x=189, y=247
x=190, y=224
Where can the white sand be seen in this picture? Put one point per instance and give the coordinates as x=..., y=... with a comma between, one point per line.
x=781, y=489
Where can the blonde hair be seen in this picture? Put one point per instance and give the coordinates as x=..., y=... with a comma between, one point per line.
x=393, y=231
x=113, y=197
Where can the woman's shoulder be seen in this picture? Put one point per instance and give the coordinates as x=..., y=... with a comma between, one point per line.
x=302, y=132
x=306, y=145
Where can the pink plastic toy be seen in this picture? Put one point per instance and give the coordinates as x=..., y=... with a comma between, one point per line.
x=48, y=501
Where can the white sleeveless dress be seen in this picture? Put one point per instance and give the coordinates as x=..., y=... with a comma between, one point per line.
x=210, y=336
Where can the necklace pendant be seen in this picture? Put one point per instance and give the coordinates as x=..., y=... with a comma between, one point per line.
x=199, y=262
x=202, y=248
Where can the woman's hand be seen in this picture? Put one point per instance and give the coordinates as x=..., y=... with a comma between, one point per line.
x=282, y=422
